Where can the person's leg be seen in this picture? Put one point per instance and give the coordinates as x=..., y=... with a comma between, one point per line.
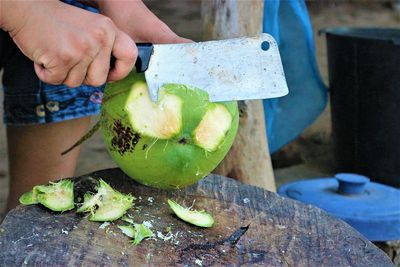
x=35, y=154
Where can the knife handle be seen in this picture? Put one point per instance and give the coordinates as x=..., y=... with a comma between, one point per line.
x=145, y=50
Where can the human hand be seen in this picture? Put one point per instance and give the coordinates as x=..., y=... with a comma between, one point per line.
x=134, y=18
x=68, y=45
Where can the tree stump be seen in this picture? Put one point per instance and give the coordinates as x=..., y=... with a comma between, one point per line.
x=248, y=160
x=252, y=226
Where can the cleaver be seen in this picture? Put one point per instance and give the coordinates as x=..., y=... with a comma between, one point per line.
x=233, y=69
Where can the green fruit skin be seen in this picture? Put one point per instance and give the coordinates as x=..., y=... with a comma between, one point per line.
x=161, y=163
x=28, y=198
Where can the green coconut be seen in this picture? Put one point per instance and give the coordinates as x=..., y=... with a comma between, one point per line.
x=169, y=144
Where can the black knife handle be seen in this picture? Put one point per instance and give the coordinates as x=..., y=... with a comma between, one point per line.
x=142, y=62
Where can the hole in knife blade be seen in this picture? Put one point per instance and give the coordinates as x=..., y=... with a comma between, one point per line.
x=265, y=45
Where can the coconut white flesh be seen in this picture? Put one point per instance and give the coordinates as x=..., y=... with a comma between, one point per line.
x=160, y=120
x=213, y=127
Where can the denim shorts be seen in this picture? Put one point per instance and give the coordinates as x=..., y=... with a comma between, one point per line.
x=27, y=100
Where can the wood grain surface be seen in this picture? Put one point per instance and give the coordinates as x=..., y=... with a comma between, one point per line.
x=252, y=227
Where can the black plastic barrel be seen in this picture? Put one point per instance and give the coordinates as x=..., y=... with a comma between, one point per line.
x=364, y=81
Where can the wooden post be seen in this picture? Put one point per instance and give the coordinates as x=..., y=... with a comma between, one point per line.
x=249, y=160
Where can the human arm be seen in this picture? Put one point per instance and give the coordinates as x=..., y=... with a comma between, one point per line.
x=135, y=19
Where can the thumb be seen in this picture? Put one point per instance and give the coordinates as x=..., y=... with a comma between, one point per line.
x=179, y=39
x=125, y=53
x=162, y=34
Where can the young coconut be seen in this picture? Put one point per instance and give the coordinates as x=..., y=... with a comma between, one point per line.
x=57, y=196
x=107, y=204
x=169, y=144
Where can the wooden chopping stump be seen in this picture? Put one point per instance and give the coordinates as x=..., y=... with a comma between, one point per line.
x=253, y=227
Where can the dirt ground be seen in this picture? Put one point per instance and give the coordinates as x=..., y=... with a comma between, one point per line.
x=302, y=157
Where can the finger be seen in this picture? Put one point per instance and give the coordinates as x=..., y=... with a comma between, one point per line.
x=98, y=69
x=48, y=75
x=77, y=73
x=125, y=53
x=168, y=37
x=150, y=28
x=165, y=38
x=179, y=39
x=162, y=34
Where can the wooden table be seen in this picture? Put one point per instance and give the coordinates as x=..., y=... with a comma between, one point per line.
x=253, y=227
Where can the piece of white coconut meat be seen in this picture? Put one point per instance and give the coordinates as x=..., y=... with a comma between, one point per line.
x=210, y=132
x=160, y=120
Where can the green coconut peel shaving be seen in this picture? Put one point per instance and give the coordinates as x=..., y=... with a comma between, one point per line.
x=136, y=231
x=56, y=196
x=198, y=218
x=107, y=204
x=28, y=198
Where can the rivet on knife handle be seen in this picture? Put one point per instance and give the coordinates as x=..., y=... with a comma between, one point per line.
x=142, y=62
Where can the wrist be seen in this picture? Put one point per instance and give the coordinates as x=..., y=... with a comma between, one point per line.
x=15, y=14
x=107, y=4
x=8, y=9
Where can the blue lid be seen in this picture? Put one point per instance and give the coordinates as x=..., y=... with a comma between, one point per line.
x=372, y=208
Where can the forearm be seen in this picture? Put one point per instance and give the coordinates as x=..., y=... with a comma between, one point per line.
x=9, y=11
x=134, y=18
x=105, y=4
x=14, y=14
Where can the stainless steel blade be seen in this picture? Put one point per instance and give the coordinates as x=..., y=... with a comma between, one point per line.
x=233, y=69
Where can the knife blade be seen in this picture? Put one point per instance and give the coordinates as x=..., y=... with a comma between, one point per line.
x=233, y=69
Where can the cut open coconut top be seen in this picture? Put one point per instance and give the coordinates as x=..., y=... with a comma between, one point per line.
x=181, y=111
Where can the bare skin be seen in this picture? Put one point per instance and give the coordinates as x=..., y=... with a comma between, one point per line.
x=134, y=18
x=72, y=50
x=35, y=154
x=72, y=46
